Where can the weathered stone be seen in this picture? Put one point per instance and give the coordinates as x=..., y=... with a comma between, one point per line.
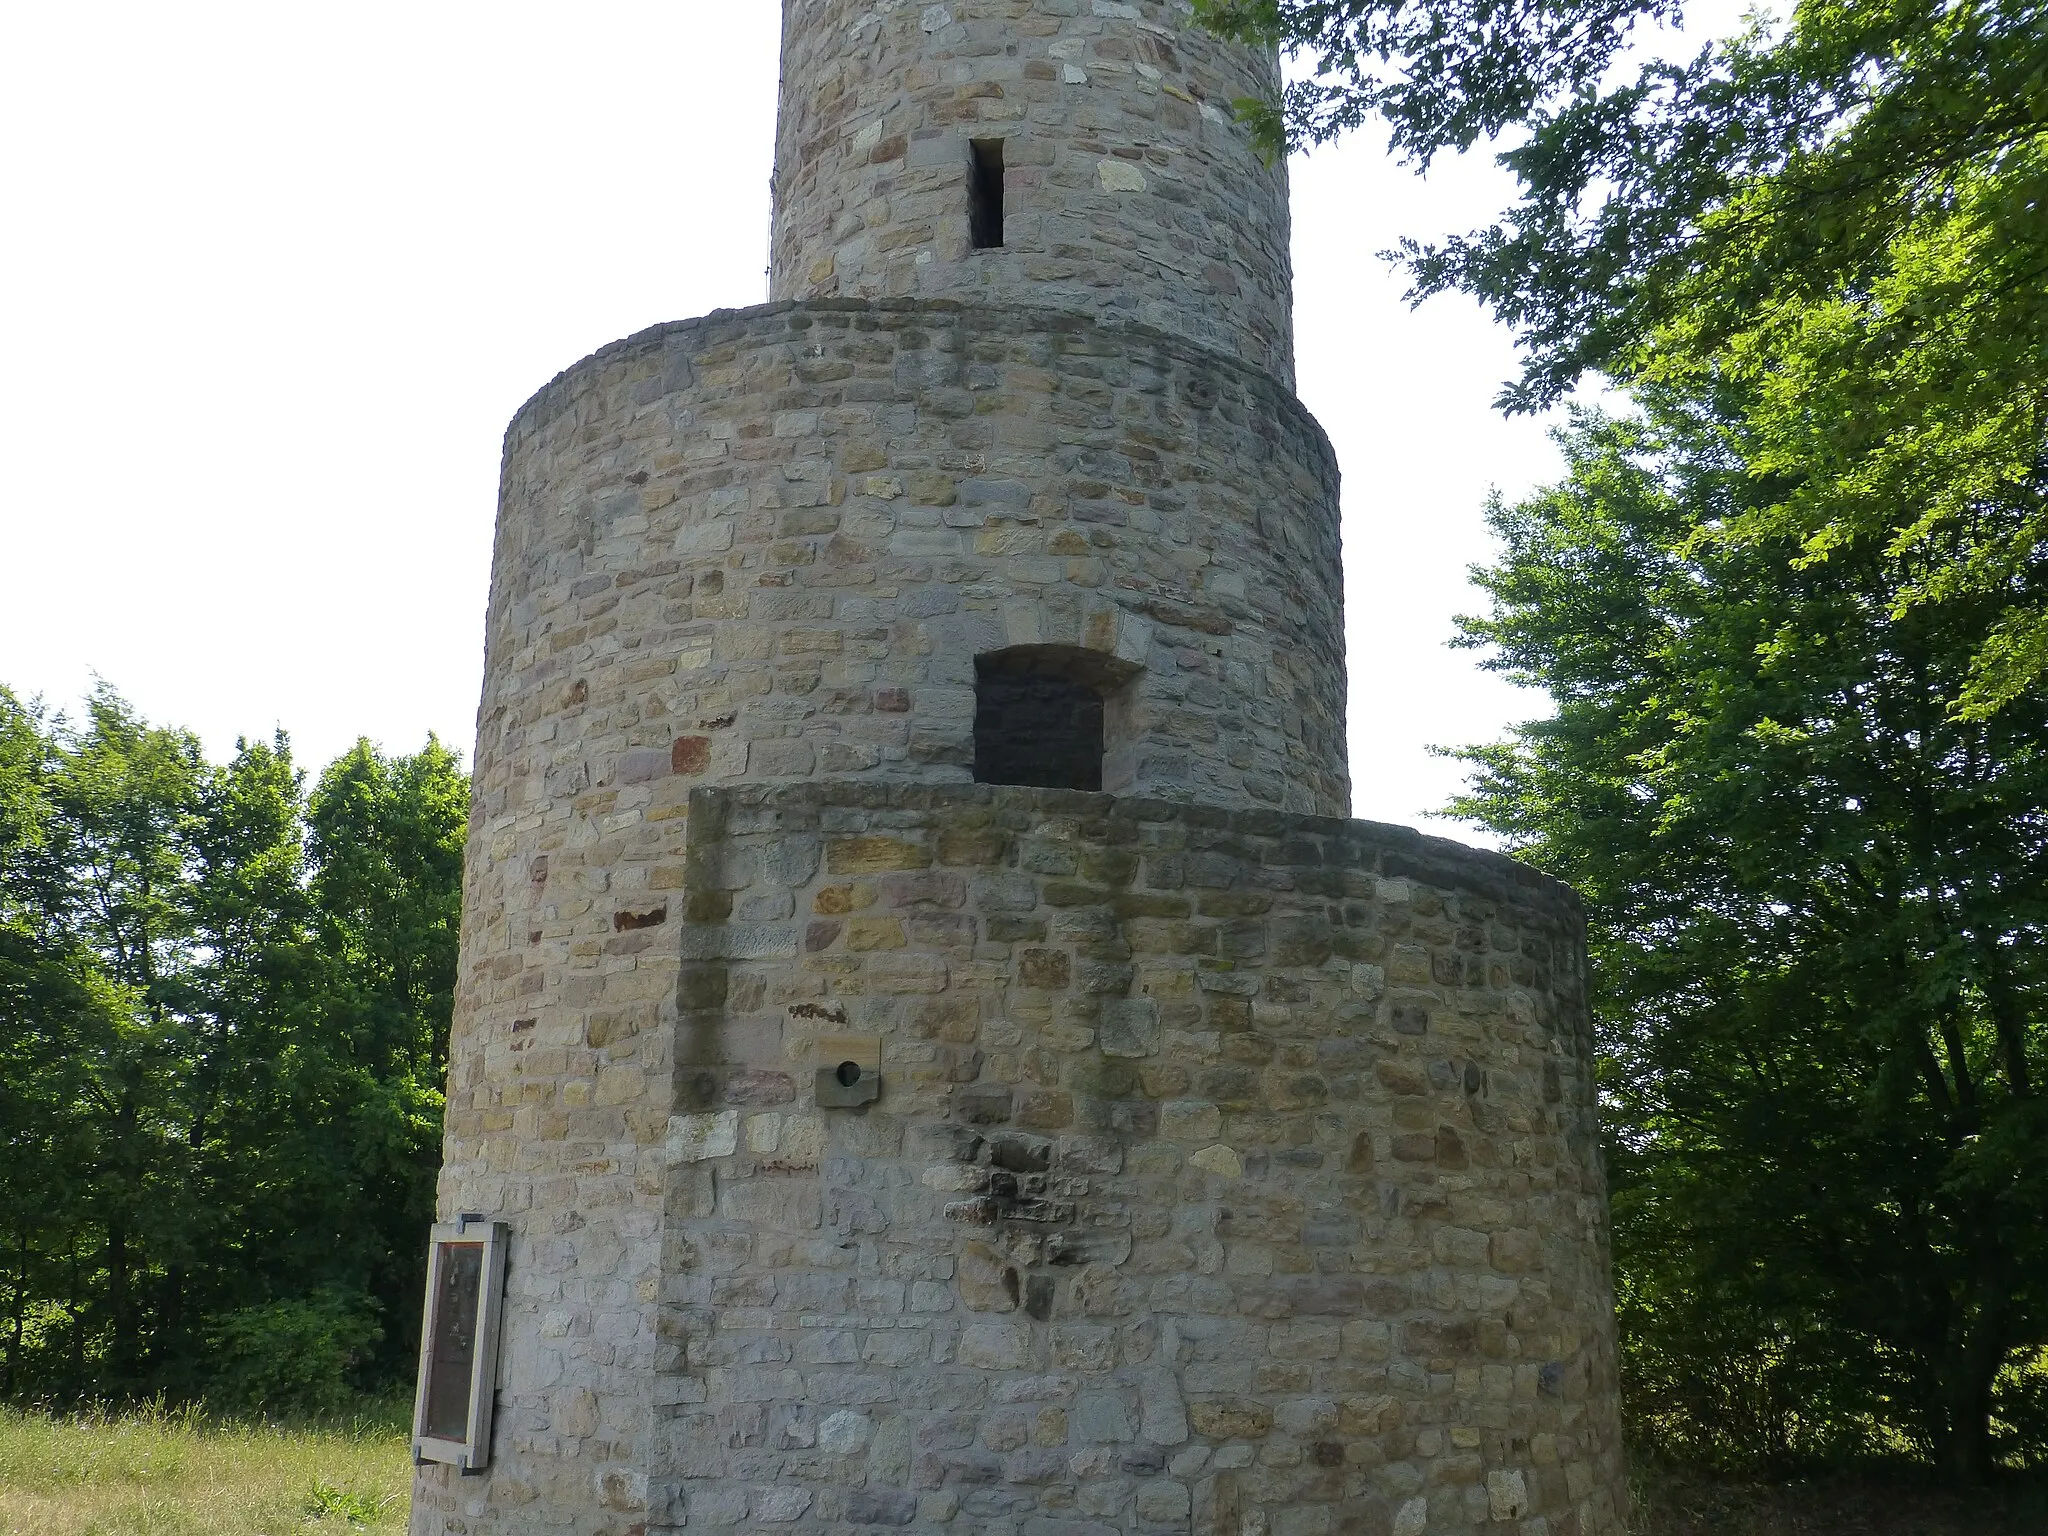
x=692, y=1138
x=1044, y=968
x=872, y=855
x=576, y=1414
x=1163, y=1506
x=1507, y=1495
x=987, y=1284
x=1217, y=1166
x=1163, y=1413
x=1190, y=1120
x=1221, y=1161
x=845, y=1433
x=995, y=1346
x=1231, y=1418
x=1130, y=1027
x=781, y=1504
x=987, y=1104
x=1097, y=1417
x=881, y=1506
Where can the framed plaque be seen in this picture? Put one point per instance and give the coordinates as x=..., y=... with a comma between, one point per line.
x=451, y=1415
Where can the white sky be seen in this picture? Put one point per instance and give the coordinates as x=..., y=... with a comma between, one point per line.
x=274, y=277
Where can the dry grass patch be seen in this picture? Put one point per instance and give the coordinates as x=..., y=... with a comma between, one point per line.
x=157, y=1472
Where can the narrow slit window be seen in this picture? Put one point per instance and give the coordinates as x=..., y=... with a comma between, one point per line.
x=985, y=193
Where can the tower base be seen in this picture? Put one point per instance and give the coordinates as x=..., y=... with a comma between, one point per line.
x=1230, y=1173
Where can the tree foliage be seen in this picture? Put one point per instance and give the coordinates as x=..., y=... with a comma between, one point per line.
x=1878, y=168
x=223, y=1023
x=1819, y=901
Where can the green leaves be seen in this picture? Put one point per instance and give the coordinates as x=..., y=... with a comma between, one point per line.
x=1440, y=75
x=223, y=1023
x=1777, y=165
x=1846, y=215
x=1819, y=899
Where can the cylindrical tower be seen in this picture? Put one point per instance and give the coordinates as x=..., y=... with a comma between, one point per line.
x=791, y=541
x=940, y=1054
x=1006, y=151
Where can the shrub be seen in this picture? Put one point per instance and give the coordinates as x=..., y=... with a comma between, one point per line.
x=300, y=1357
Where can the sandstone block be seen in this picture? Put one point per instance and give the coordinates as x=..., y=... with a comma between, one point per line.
x=1230, y=1418
x=692, y=1138
x=995, y=1347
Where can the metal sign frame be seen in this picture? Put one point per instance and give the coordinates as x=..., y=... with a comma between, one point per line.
x=430, y=1440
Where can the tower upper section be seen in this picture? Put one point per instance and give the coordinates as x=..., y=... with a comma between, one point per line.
x=1079, y=154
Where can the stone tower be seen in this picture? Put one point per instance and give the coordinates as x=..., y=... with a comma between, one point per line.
x=942, y=1059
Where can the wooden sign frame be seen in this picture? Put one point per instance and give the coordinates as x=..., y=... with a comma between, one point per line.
x=458, y=1378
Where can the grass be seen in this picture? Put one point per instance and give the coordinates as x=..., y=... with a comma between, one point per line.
x=1676, y=1502
x=171, y=1472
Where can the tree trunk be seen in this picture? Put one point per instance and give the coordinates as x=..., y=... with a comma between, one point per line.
x=20, y=1307
x=1970, y=1423
x=166, y=1342
x=77, y=1325
x=120, y=1299
x=1981, y=1344
x=123, y=1353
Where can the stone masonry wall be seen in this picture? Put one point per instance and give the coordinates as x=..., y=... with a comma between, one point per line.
x=770, y=544
x=560, y=1086
x=1232, y=1174
x=1233, y=1169
x=1130, y=190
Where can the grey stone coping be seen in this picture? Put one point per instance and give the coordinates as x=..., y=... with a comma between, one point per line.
x=1012, y=319
x=1382, y=848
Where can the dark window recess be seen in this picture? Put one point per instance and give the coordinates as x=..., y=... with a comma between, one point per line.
x=1038, y=715
x=1045, y=731
x=985, y=193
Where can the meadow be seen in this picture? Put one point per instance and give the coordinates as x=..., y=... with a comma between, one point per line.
x=172, y=1472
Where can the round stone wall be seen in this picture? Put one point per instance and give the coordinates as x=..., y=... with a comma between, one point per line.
x=1224, y=1174
x=886, y=1151
x=1129, y=189
x=769, y=545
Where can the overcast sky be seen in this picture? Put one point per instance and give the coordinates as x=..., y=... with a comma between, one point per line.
x=274, y=277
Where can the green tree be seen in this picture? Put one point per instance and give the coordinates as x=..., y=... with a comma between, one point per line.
x=117, y=881
x=1817, y=900
x=1795, y=624
x=40, y=997
x=387, y=840
x=223, y=1021
x=1675, y=210
x=251, y=999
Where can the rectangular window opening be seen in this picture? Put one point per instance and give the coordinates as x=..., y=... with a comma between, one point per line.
x=1041, y=714
x=985, y=193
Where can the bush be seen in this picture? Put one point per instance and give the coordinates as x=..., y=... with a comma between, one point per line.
x=302, y=1357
